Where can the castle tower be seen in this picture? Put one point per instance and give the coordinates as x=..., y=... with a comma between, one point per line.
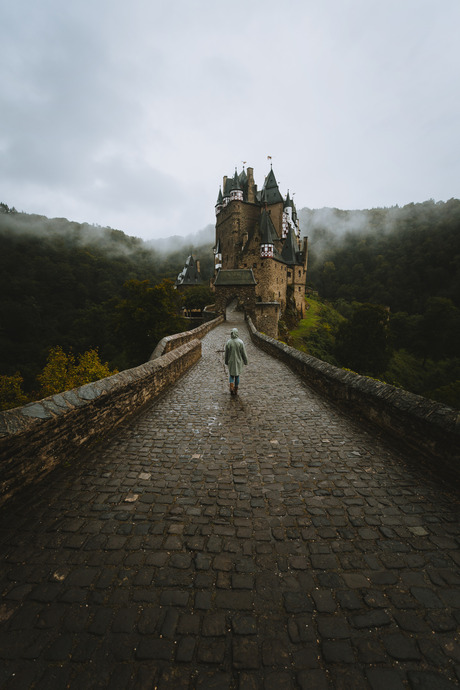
x=257, y=233
x=268, y=236
x=236, y=192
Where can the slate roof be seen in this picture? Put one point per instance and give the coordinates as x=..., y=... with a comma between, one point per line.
x=268, y=233
x=236, y=181
x=269, y=194
x=189, y=274
x=290, y=251
x=237, y=276
x=270, y=191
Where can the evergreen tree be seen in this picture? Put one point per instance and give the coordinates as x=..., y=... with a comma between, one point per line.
x=363, y=343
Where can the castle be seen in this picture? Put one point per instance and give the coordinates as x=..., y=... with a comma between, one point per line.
x=259, y=257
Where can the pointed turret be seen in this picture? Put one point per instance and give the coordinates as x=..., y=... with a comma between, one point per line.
x=220, y=202
x=287, y=215
x=271, y=191
x=290, y=250
x=288, y=201
x=268, y=236
x=236, y=193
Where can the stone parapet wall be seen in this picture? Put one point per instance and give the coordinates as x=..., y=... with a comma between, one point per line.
x=424, y=425
x=171, y=342
x=37, y=437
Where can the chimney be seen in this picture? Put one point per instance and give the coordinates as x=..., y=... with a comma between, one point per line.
x=251, y=195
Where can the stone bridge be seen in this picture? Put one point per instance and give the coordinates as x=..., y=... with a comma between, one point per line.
x=210, y=543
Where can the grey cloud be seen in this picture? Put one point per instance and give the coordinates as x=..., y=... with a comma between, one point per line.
x=131, y=113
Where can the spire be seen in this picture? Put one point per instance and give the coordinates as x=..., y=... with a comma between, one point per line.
x=272, y=192
x=236, y=182
x=220, y=202
x=290, y=248
x=267, y=236
x=236, y=192
x=267, y=229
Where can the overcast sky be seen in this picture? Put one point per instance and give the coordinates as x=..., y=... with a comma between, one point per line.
x=128, y=114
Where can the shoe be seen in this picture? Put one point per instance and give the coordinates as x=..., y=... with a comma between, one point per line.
x=232, y=389
x=236, y=390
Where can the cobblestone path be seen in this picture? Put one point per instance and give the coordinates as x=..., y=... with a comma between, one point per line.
x=264, y=541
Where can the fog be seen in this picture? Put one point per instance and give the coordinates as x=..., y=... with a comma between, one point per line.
x=106, y=239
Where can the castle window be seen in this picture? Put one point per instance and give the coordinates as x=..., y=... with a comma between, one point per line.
x=300, y=273
x=289, y=274
x=254, y=265
x=266, y=250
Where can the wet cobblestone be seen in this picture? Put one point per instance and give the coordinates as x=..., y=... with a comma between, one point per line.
x=263, y=541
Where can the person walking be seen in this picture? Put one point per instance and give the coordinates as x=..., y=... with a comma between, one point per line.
x=235, y=357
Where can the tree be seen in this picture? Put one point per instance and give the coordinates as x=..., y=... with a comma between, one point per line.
x=439, y=329
x=363, y=343
x=62, y=372
x=11, y=393
x=198, y=297
x=146, y=315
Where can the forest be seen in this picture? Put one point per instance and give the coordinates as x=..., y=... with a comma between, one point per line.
x=70, y=289
x=398, y=269
x=80, y=301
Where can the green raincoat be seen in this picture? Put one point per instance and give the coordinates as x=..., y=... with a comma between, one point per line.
x=235, y=354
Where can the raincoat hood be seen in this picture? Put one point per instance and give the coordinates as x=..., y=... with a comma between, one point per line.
x=234, y=333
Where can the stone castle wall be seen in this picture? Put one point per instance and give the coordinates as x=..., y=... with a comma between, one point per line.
x=266, y=317
x=272, y=283
x=234, y=224
x=244, y=294
x=238, y=232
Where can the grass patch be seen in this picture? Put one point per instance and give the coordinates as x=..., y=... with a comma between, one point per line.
x=315, y=334
x=311, y=320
